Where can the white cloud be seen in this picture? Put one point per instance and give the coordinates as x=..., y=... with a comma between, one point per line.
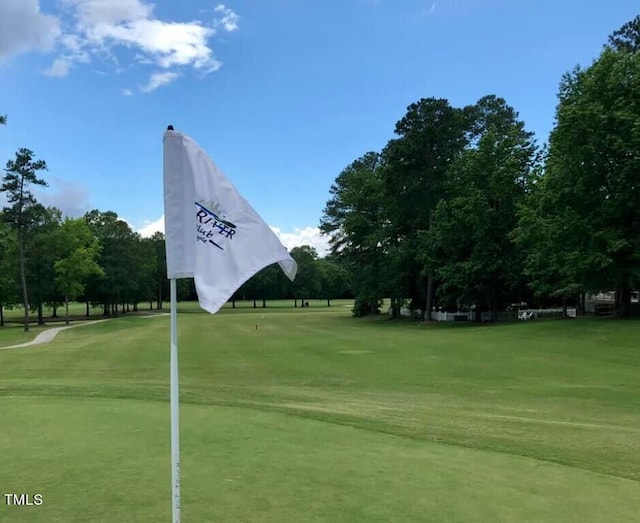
x=60, y=67
x=24, y=28
x=304, y=236
x=110, y=12
x=300, y=236
x=102, y=28
x=150, y=228
x=126, y=92
x=157, y=80
x=166, y=44
x=433, y=7
x=229, y=19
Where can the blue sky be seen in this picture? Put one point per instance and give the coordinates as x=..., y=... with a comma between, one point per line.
x=283, y=94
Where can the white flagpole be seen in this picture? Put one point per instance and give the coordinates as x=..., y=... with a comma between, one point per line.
x=175, y=420
x=194, y=191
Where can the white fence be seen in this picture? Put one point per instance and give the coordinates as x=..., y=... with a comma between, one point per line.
x=451, y=316
x=523, y=314
x=530, y=314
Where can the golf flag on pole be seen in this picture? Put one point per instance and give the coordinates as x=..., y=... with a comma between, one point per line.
x=215, y=236
x=212, y=233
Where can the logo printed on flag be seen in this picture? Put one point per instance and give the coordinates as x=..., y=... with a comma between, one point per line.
x=211, y=223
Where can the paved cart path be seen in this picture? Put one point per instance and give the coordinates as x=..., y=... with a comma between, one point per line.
x=50, y=334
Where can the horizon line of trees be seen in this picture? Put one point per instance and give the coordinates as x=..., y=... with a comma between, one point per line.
x=99, y=260
x=47, y=261
x=463, y=209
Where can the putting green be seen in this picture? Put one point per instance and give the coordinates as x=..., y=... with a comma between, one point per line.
x=107, y=460
x=316, y=416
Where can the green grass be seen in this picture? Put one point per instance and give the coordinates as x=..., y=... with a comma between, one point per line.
x=315, y=416
x=79, y=309
x=14, y=334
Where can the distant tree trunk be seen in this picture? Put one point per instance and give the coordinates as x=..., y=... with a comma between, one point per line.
x=564, y=307
x=623, y=300
x=328, y=303
x=54, y=314
x=295, y=302
x=254, y=304
x=1, y=314
x=150, y=304
x=374, y=306
x=233, y=303
x=66, y=310
x=429, y=300
x=395, y=307
x=40, y=314
x=580, y=305
x=429, y=305
x=135, y=307
x=87, y=314
x=23, y=281
x=105, y=308
x=264, y=303
x=159, y=305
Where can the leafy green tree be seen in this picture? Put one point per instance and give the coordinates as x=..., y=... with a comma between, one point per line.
x=469, y=244
x=20, y=174
x=627, y=38
x=333, y=279
x=144, y=270
x=268, y=285
x=307, y=282
x=432, y=135
x=8, y=256
x=403, y=272
x=42, y=249
x=353, y=218
x=161, y=281
x=251, y=288
x=593, y=174
x=117, y=259
x=186, y=289
x=77, y=260
x=542, y=232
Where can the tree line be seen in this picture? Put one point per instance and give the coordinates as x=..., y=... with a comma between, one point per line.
x=47, y=260
x=462, y=209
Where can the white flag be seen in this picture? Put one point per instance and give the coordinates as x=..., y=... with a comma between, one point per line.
x=212, y=233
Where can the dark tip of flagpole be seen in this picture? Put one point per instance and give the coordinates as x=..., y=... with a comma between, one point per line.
x=170, y=128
